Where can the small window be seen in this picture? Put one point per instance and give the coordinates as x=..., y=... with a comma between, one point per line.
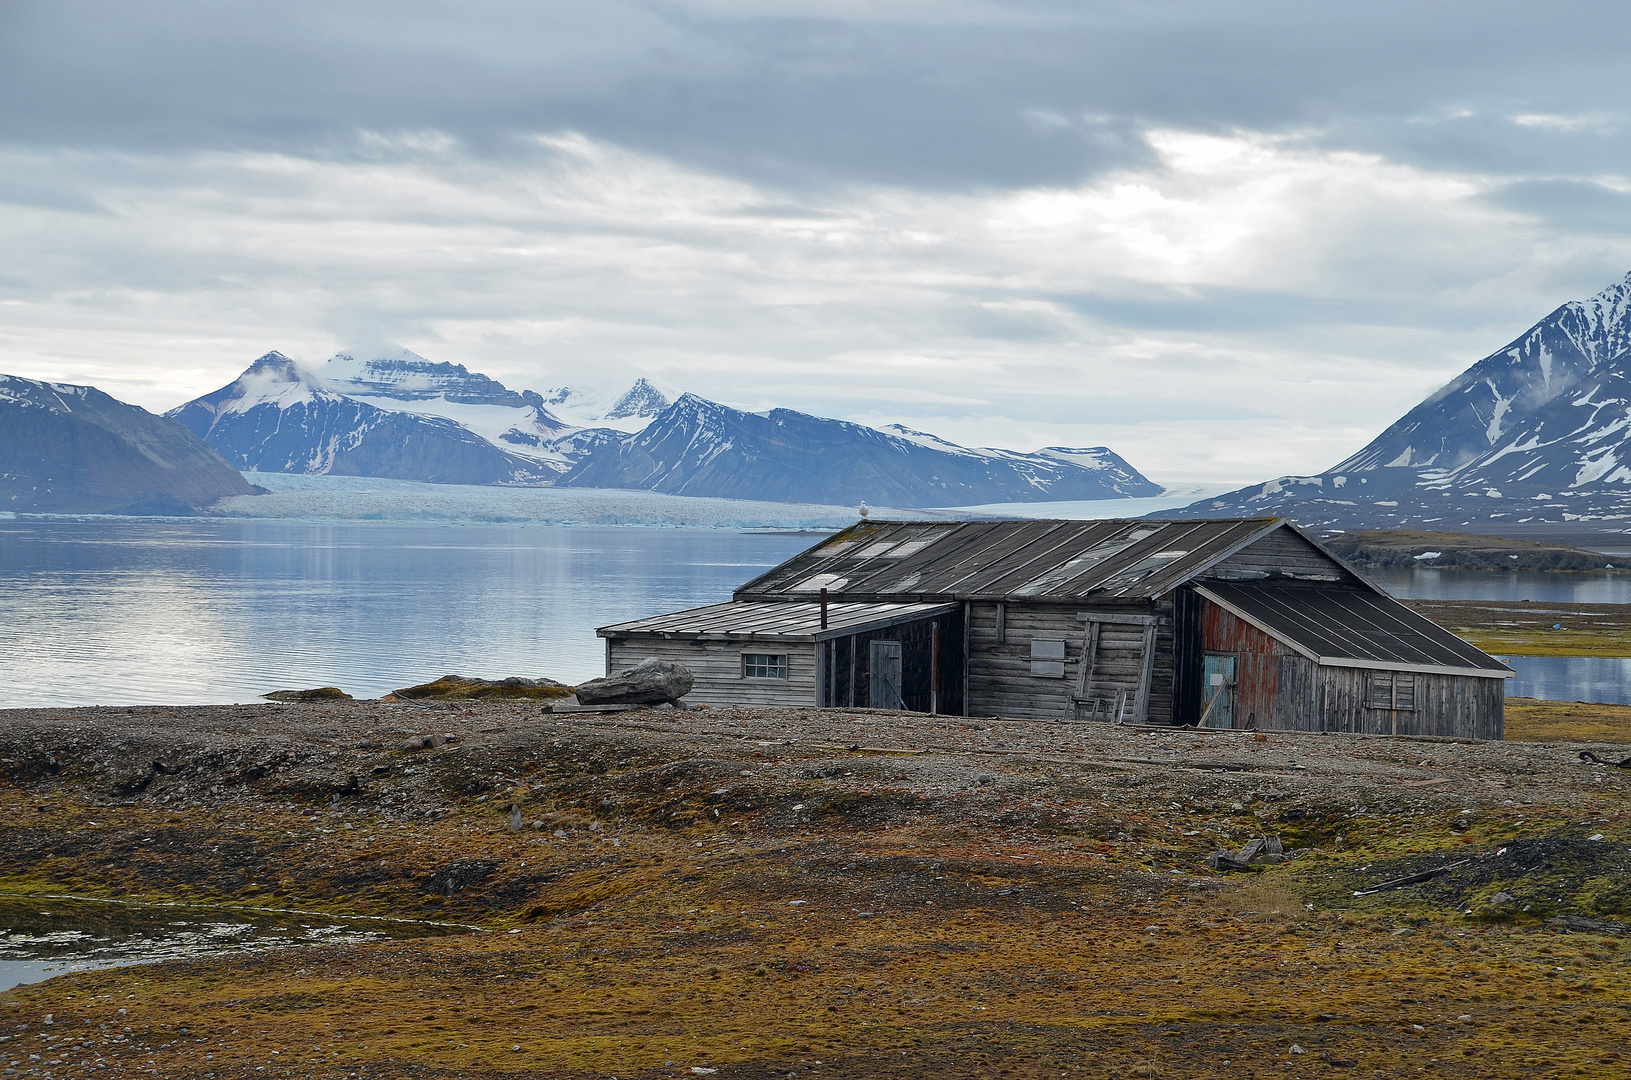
x=1048, y=658
x=764, y=665
x=1392, y=690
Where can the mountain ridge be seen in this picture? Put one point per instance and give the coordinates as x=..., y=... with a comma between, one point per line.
x=405, y=417
x=697, y=446
x=1536, y=431
x=66, y=448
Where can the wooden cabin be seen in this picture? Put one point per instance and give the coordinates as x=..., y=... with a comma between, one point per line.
x=1244, y=623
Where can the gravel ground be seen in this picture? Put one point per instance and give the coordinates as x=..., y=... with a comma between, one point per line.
x=779, y=892
x=212, y=754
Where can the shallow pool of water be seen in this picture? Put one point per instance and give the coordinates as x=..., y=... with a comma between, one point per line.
x=41, y=937
x=1564, y=588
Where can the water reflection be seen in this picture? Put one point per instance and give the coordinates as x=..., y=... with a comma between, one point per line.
x=1602, y=680
x=1426, y=584
x=41, y=937
x=222, y=611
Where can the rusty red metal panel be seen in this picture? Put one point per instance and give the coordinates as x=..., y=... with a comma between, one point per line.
x=1257, y=664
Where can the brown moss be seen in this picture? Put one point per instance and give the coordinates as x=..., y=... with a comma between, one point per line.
x=456, y=687
x=1532, y=720
x=321, y=693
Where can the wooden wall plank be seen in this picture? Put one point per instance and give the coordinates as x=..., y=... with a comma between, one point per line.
x=717, y=668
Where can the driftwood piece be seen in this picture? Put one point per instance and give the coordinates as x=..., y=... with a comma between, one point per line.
x=1581, y=925
x=1413, y=879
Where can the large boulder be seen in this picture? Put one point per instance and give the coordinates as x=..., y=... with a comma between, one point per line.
x=650, y=682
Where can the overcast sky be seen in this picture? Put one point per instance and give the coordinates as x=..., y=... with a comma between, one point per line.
x=1228, y=240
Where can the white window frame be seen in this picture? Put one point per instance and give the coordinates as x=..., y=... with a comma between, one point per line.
x=777, y=665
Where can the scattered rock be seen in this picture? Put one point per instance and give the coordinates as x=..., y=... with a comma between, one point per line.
x=650, y=682
x=1503, y=898
x=321, y=693
x=1259, y=851
x=984, y=778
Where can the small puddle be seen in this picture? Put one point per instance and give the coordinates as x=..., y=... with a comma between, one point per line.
x=45, y=936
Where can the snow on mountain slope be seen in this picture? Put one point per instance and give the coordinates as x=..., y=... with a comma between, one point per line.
x=403, y=416
x=1538, y=429
x=516, y=422
x=603, y=405
x=278, y=417
x=699, y=447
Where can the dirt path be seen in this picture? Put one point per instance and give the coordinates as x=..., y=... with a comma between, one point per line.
x=757, y=891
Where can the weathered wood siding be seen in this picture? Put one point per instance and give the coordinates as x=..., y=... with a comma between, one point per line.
x=1455, y=706
x=1257, y=665
x=1289, y=692
x=999, y=678
x=850, y=685
x=717, y=666
x=1282, y=553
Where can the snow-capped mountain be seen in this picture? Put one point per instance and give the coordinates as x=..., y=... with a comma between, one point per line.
x=74, y=449
x=278, y=417
x=1539, y=430
x=699, y=447
x=404, y=417
x=515, y=421
x=601, y=405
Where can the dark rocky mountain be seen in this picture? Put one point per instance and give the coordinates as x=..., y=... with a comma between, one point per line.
x=74, y=449
x=641, y=399
x=407, y=376
x=404, y=417
x=699, y=447
x=1538, y=431
x=275, y=417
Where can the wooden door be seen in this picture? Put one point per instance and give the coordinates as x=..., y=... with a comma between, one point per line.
x=885, y=680
x=1118, y=666
x=1218, y=686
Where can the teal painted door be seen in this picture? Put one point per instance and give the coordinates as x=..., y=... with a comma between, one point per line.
x=1219, y=689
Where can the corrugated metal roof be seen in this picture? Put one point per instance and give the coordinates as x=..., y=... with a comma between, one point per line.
x=996, y=560
x=1353, y=628
x=776, y=618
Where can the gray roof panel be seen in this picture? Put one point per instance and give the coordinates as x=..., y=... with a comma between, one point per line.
x=975, y=560
x=794, y=620
x=1352, y=627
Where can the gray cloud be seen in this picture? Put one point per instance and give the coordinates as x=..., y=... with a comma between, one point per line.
x=918, y=94
x=1573, y=205
x=1229, y=240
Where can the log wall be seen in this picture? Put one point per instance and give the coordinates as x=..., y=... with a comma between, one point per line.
x=999, y=677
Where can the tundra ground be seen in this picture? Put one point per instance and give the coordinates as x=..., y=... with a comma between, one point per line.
x=824, y=893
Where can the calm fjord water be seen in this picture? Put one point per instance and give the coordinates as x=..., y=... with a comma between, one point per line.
x=147, y=612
